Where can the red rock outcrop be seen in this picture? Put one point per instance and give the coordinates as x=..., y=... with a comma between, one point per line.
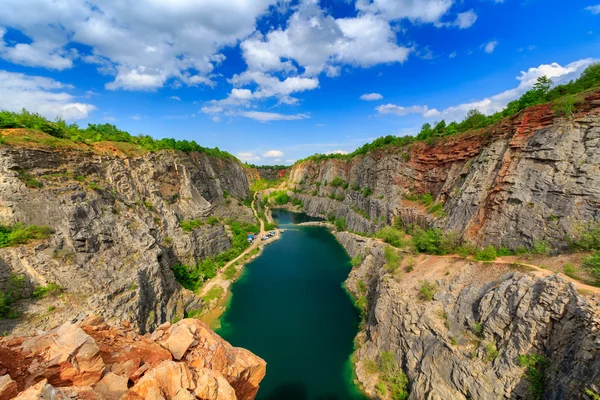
x=93, y=360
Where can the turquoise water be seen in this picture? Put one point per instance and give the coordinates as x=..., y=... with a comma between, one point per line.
x=289, y=307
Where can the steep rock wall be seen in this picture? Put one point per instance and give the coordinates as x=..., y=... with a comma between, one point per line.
x=116, y=227
x=529, y=178
x=441, y=344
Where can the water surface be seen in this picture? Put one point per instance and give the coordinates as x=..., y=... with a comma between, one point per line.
x=290, y=308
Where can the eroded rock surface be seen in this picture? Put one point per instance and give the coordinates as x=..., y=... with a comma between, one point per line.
x=93, y=360
x=446, y=345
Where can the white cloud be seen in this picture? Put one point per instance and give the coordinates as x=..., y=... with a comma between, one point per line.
x=270, y=86
x=318, y=42
x=290, y=161
x=495, y=103
x=273, y=154
x=465, y=20
x=452, y=55
x=136, y=117
x=144, y=46
x=593, y=9
x=270, y=116
x=490, y=46
x=176, y=98
x=336, y=152
x=41, y=95
x=247, y=156
x=427, y=11
x=371, y=97
x=109, y=118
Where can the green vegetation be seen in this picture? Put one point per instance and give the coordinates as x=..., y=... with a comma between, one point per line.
x=28, y=180
x=426, y=199
x=490, y=352
x=191, y=224
x=534, y=372
x=486, y=254
x=51, y=289
x=279, y=197
x=392, y=378
x=338, y=182
x=356, y=261
x=477, y=329
x=14, y=235
x=214, y=293
x=587, y=237
x=592, y=263
x=230, y=272
x=367, y=191
x=100, y=132
x=427, y=290
x=562, y=96
x=13, y=292
x=392, y=236
x=362, y=304
x=297, y=202
x=193, y=276
x=392, y=259
x=428, y=241
x=340, y=224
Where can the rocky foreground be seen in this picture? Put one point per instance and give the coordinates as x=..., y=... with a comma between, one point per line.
x=93, y=360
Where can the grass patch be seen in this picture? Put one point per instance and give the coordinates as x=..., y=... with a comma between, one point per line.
x=392, y=236
x=14, y=235
x=357, y=260
x=230, y=272
x=534, y=373
x=51, y=289
x=215, y=292
x=486, y=254
x=29, y=180
x=190, y=224
x=392, y=260
x=427, y=290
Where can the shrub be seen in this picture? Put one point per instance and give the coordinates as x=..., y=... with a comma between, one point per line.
x=297, y=202
x=486, y=254
x=587, y=237
x=356, y=261
x=490, y=352
x=190, y=225
x=450, y=242
x=367, y=191
x=340, y=224
x=51, y=289
x=534, y=373
x=395, y=380
x=371, y=366
x=337, y=182
x=230, y=272
x=428, y=241
x=541, y=247
x=592, y=263
x=392, y=259
x=280, y=197
x=391, y=236
x=22, y=234
x=478, y=329
x=28, y=180
x=569, y=271
x=427, y=290
x=362, y=304
x=503, y=252
x=212, y=220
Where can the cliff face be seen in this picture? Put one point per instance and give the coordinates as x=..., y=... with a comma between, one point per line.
x=532, y=177
x=116, y=227
x=466, y=341
x=93, y=360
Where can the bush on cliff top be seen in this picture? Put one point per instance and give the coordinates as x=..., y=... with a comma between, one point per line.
x=100, y=132
x=542, y=92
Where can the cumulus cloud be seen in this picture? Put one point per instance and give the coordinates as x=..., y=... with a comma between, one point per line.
x=465, y=20
x=176, y=98
x=247, y=156
x=42, y=95
x=271, y=116
x=318, y=42
x=273, y=154
x=143, y=46
x=593, y=9
x=495, y=103
x=371, y=97
x=490, y=46
x=426, y=11
x=336, y=152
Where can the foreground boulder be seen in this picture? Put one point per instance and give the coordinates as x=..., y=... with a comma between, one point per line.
x=93, y=360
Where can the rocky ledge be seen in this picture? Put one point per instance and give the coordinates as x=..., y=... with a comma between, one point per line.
x=476, y=331
x=93, y=360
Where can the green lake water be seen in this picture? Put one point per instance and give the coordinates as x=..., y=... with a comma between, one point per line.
x=290, y=308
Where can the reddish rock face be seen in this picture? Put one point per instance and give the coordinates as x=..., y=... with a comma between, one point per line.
x=96, y=361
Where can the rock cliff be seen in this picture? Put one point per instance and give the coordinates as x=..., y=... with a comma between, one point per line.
x=532, y=177
x=116, y=218
x=93, y=360
x=467, y=340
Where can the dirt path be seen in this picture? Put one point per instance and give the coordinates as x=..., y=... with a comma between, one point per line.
x=220, y=279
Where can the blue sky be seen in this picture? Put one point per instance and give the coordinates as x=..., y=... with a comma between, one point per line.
x=272, y=81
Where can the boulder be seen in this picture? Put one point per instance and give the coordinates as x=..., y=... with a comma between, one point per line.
x=8, y=387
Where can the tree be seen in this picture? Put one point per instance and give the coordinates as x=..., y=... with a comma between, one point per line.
x=542, y=85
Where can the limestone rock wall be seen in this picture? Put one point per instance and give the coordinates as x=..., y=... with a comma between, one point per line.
x=529, y=178
x=441, y=344
x=116, y=223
